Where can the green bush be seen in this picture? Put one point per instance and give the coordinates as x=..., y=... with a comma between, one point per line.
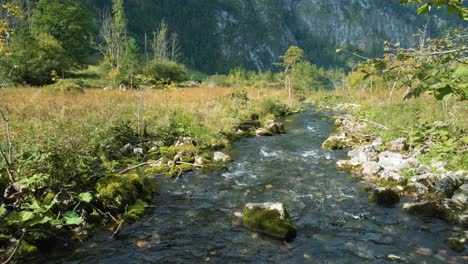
x=65, y=86
x=166, y=72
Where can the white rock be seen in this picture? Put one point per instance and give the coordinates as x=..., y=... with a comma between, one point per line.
x=398, y=144
x=370, y=168
x=138, y=151
x=219, y=156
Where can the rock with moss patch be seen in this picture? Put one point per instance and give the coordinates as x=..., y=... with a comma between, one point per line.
x=455, y=244
x=384, y=197
x=269, y=218
x=426, y=208
x=263, y=132
x=336, y=142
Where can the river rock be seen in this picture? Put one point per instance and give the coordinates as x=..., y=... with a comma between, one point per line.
x=275, y=127
x=219, y=156
x=426, y=208
x=392, y=176
x=428, y=179
x=337, y=142
x=416, y=187
x=348, y=165
x=398, y=145
x=395, y=162
x=199, y=161
x=448, y=183
x=455, y=244
x=384, y=197
x=263, y=132
x=363, y=153
x=370, y=168
x=269, y=218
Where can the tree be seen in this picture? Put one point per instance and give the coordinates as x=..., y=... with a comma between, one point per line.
x=453, y=6
x=165, y=46
x=33, y=58
x=116, y=48
x=292, y=56
x=70, y=23
x=8, y=12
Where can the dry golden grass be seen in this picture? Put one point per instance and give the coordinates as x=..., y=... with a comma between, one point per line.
x=36, y=116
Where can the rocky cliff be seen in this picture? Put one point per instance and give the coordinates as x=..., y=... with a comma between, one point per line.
x=217, y=35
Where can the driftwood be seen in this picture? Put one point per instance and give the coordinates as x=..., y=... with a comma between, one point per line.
x=191, y=164
x=133, y=168
x=375, y=124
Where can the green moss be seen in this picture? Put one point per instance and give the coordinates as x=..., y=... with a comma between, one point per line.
x=384, y=197
x=455, y=244
x=135, y=211
x=168, y=152
x=26, y=249
x=116, y=191
x=269, y=222
x=146, y=186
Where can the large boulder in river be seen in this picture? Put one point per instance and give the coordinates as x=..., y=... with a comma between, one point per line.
x=269, y=218
x=384, y=197
x=426, y=208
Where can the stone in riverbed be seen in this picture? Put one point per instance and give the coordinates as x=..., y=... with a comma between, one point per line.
x=269, y=218
x=448, y=183
x=263, y=132
x=455, y=244
x=370, y=168
x=219, y=156
x=427, y=208
x=384, y=197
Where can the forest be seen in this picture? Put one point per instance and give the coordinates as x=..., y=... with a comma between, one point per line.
x=133, y=131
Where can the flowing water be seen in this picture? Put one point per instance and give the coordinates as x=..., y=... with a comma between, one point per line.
x=191, y=220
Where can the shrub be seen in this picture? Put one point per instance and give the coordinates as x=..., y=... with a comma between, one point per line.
x=65, y=86
x=166, y=72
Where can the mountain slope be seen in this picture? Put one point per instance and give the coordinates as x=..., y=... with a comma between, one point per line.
x=217, y=35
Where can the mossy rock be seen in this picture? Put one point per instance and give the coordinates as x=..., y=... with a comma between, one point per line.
x=455, y=244
x=135, y=211
x=116, y=191
x=384, y=197
x=146, y=186
x=269, y=218
x=429, y=209
x=209, y=168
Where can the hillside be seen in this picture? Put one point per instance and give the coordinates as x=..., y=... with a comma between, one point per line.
x=217, y=35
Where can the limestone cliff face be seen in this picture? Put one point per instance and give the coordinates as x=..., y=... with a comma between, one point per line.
x=217, y=35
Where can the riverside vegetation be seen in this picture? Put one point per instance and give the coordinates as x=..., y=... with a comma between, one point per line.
x=70, y=153
x=75, y=158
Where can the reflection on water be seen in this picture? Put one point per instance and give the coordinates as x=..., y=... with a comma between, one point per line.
x=191, y=220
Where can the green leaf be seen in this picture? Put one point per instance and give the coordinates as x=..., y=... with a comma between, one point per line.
x=86, y=197
x=338, y=50
x=424, y=9
x=20, y=217
x=72, y=218
x=2, y=210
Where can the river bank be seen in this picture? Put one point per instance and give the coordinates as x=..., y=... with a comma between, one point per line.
x=193, y=221
x=428, y=166
x=75, y=162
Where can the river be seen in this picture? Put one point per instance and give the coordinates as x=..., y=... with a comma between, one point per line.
x=190, y=221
